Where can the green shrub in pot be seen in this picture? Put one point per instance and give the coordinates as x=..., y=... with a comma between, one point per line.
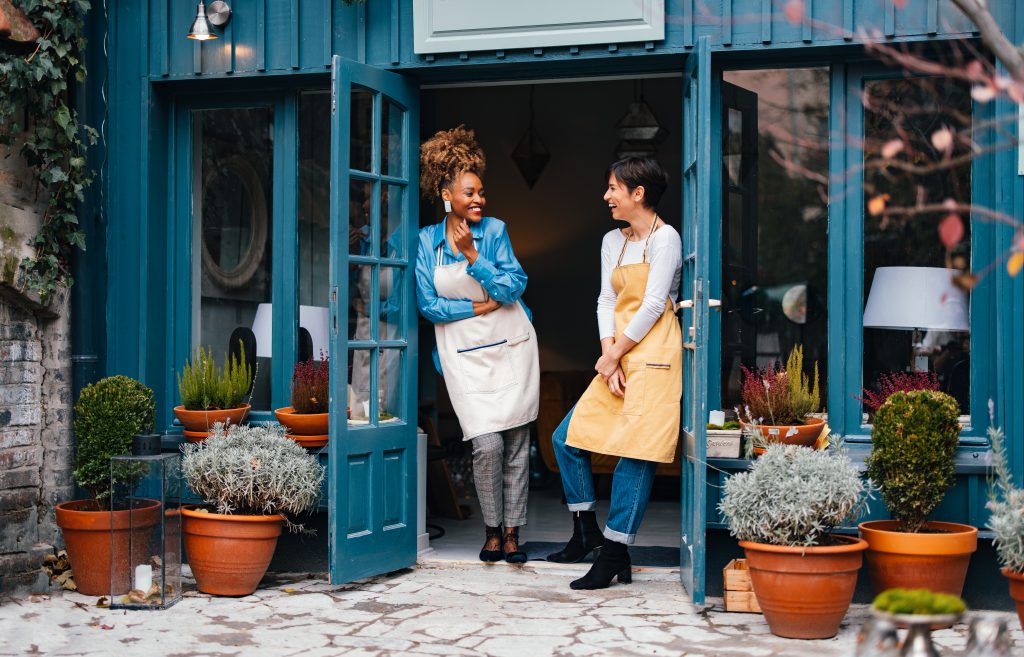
x=913, y=445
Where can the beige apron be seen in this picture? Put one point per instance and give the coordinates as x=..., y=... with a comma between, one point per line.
x=645, y=424
x=490, y=362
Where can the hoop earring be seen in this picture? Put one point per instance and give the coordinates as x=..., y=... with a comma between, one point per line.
x=447, y=207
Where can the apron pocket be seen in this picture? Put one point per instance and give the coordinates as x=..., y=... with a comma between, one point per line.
x=486, y=368
x=636, y=381
x=664, y=378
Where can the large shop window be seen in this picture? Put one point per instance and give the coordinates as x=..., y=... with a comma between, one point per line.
x=232, y=194
x=775, y=157
x=917, y=153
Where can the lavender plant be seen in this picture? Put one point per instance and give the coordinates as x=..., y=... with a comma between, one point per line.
x=794, y=496
x=253, y=470
x=1006, y=502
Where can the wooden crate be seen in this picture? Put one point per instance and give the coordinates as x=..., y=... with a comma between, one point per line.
x=739, y=591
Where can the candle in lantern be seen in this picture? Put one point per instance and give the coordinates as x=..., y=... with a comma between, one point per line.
x=143, y=577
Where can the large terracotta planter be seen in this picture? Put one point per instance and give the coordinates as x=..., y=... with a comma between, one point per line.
x=89, y=538
x=201, y=421
x=1016, y=591
x=805, y=592
x=229, y=554
x=798, y=434
x=935, y=558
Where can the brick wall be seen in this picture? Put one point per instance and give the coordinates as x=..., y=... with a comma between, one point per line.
x=35, y=392
x=35, y=436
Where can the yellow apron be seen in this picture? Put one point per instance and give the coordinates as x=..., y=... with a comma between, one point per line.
x=645, y=424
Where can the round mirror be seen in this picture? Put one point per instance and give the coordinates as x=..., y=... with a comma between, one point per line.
x=234, y=222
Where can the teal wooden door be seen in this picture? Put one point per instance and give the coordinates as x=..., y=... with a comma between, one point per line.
x=373, y=225
x=697, y=216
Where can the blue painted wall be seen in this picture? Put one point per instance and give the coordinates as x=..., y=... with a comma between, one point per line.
x=123, y=313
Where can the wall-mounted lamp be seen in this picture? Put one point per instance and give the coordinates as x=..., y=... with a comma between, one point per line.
x=218, y=15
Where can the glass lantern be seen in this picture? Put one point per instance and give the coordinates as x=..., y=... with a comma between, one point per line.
x=145, y=535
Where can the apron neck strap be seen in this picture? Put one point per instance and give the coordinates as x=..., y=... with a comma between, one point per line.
x=647, y=242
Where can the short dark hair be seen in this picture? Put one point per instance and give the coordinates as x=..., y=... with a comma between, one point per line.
x=643, y=172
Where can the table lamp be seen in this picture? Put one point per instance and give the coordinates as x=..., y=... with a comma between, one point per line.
x=915, y=299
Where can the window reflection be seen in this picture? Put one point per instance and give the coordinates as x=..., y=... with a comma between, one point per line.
x=774, y=221
x=233, y=225
x=908, y=165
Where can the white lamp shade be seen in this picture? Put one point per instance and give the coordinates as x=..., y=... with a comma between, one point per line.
x=916, y=298
x=312, y=318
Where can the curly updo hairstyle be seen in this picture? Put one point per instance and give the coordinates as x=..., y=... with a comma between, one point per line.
x=446, y=156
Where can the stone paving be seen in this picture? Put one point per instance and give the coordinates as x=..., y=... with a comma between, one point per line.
x=435, y=609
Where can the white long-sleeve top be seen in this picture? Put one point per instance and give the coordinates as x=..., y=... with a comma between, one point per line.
x=665, y=255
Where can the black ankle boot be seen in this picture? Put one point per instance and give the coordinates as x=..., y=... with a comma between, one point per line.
x=492, y=555
x=612, y=561
x=586, y=537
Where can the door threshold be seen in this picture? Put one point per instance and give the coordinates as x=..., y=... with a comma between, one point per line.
x=435, y=561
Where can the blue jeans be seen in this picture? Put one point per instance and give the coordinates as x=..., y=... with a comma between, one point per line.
x=631, y=486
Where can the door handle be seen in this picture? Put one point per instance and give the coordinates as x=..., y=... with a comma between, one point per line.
x=688, y=303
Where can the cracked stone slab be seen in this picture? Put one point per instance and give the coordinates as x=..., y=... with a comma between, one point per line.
x=453, y=610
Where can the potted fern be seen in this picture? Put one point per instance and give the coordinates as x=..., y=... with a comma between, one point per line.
x=783, y=511
x=211, y=394
x=107, y=415
x=779, y=404
x=255, y=481
x=307, y=417
x=1006, y=502
x=914, y=440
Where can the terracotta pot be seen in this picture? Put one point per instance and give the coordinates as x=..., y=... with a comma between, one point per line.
x=303, y=424
x=87, y=535
x=203, y=420
x=935, y=559
x=804, y=592
x=806, y=434
x=229, y=554
x=1016, y=591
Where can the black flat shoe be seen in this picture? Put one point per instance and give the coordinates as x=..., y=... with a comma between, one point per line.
x=510, y=545
x=586, y=537
x=612, y=562
x=490, y=556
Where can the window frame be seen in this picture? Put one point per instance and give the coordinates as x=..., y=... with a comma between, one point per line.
x=284, y=235
x=846, y=260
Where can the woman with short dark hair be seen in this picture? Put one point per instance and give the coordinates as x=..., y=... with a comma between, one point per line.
x=631, y=409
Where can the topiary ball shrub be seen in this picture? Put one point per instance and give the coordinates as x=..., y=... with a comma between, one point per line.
x=913, y=445
x=107, y=415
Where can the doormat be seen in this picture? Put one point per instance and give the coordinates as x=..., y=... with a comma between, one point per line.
x=654, y=556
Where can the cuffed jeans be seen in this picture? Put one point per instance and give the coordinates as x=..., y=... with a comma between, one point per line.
x=631, y=486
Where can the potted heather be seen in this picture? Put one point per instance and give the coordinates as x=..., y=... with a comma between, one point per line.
x=779, y=404
x=255, y=481
x=783, y=511
x=211, y=394
x=1006, y=503
x=914, y=439
x=107, y=415
x=307, y=417
x=892, y=382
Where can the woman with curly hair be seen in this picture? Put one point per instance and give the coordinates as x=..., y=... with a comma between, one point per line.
x=469, y=284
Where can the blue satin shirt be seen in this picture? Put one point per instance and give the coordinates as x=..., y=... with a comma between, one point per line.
x=496, y=269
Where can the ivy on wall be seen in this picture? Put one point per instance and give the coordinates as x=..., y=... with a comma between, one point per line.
x=35, y=111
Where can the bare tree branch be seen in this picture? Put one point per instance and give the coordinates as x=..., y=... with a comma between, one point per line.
x=994, y=37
